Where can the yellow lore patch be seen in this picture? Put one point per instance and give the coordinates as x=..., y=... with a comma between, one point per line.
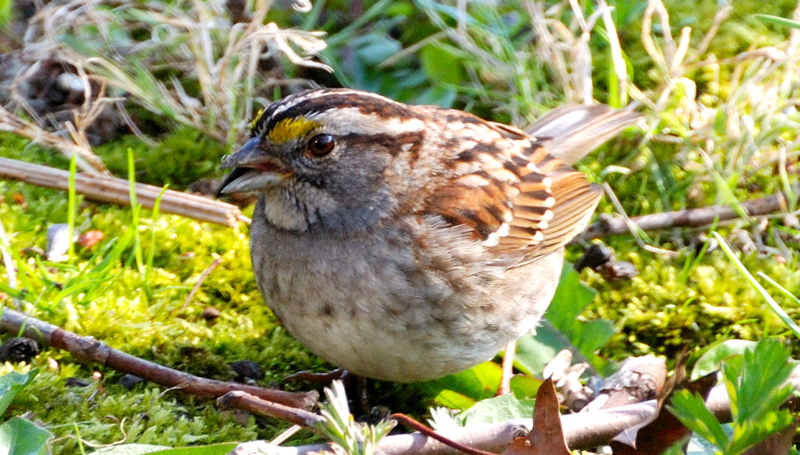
x=290, y=128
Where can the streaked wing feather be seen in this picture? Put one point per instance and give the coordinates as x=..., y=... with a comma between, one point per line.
x=571, y=214
x=516, y=197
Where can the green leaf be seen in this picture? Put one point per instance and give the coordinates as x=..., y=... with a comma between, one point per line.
x=11, y=383
x=440, y=65
x=592, y=335
x=712, y=359
x=462, y=390
x=690, y=409
x=498, y=409
x=730, y=375
x=570, y=299
x=761, y=387
x=374, y=48
x=478, y=383
x=524, y=386
x=534, y=352
x=453, y=400
x=5, y=12
x=130, y=449
x=22, y=437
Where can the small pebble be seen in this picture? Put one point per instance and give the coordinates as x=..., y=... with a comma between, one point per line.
x=618, y=271
x=77, y=382
x=58, y=242
x=247, y=370
x=210, y=314
x=17, y=350
x=130, y=381
x=594, y=256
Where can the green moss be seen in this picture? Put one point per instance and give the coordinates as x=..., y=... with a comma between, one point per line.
x=107, y=413
x=178, y=159
x=660, y=312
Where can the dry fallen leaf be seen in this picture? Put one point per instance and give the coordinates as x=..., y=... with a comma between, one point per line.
x=547, y=435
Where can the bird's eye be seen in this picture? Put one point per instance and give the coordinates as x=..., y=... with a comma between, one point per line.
x=320, y=145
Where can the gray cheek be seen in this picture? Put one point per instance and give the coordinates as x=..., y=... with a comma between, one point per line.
x=360, y=190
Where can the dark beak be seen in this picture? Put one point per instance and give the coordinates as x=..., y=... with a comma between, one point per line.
x=253, y=169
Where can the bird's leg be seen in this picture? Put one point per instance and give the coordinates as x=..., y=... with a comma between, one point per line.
x=508, y=369
x=356, y=385
x=361, y=401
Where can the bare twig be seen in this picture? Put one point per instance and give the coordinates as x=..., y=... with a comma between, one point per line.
x=111, y=189
x=255, y=405
x=88, y=349
x=608, y=226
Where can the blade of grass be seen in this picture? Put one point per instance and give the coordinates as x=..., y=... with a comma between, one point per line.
x=71, y=210
x=152, y=250
x=757, y=286
x=782, y=21
x=783, y=290
x=135, y=209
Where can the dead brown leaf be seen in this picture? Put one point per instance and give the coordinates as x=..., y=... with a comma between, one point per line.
x=547, y=435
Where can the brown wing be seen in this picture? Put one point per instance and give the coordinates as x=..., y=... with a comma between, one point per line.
x=515, y=197
x=554, y=204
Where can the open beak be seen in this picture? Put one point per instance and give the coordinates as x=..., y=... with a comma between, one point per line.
x=253, y=169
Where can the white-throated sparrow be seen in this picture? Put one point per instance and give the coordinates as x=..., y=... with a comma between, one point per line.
x=404, y=242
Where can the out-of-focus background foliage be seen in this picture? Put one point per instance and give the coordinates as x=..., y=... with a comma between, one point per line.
x=174, y=83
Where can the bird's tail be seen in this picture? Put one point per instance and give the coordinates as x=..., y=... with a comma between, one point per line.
x=570, y=132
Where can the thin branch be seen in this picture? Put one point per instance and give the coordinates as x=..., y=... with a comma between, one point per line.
x=88, y=349
x=259, y=406
x=608, y=226
x=112, y=189
x=582, y=431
